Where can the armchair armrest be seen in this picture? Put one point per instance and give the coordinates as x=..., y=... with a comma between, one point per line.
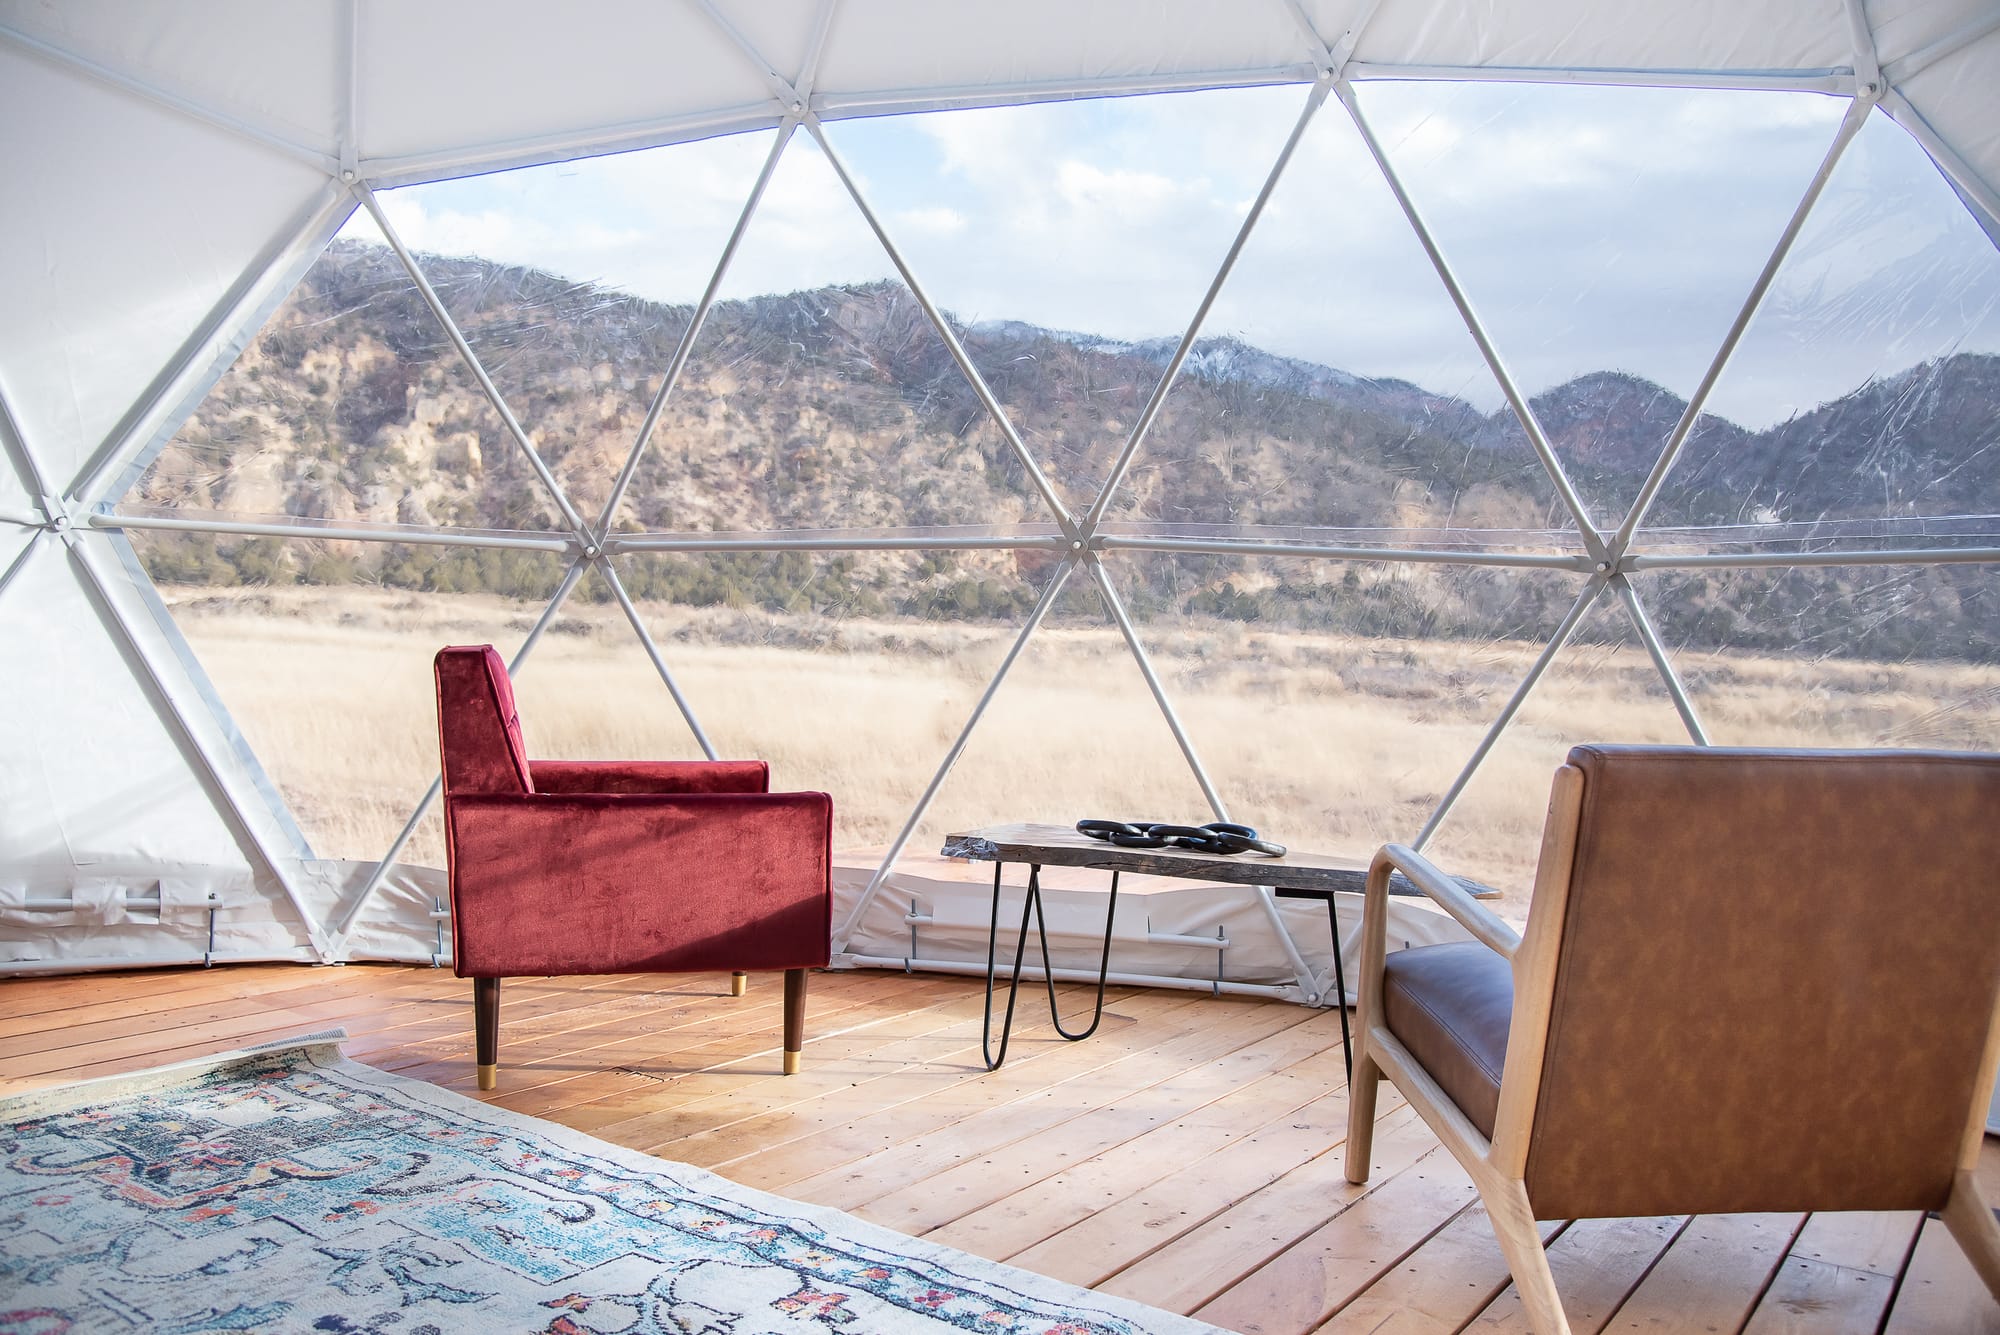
x=650, y=776
x=1486, y=926
x=551, y=883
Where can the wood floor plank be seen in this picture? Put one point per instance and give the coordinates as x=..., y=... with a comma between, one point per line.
x=337, y=989
x=1812, y=1296
x=543, y=1035
x=1226, y=1183
x=1025, y=1216
x=1712, y=1275
x=1023, y=1163
x=1233, y=1244
x=612, y=1047
x=991, y=1124
x=1876, y=1242
x=1597, y=1264
x=1189, y=1155
x=836, y=1046
x=859, y=1049
x=1840, y=1275
x=21, y=1019
x=898, y=1075
x=1435, y=1289
x=1941, y=1292
x=128, y=987
x=924, y=1101
x=1304, y=1285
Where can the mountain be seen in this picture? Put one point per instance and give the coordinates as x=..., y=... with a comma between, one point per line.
x=840, y=407
x=1923, y=442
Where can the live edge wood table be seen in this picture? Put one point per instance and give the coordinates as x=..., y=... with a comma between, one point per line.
x=1293, y=876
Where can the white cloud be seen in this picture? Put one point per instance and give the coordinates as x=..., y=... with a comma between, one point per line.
x=932, y=221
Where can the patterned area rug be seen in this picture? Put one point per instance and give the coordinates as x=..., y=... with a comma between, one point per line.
x=289, y=1189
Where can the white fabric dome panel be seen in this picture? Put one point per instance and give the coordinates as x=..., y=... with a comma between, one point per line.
x=1902, y=28
x=1581, y=34
x=1955, y=98
x=112, y=797
x=126, y=228
x=435, y=78
x=17, y=498
x=781, y=31
x=911, y=45
x=114, y=816
x=271, y=66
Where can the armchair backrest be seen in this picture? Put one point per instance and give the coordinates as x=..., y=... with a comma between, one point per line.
x=1775, y=982
x=479, y=729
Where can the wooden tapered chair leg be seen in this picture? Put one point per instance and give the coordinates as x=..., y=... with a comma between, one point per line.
x=486, y=1029
x=795, y=1019
x=1361, y=1092
x=1527, y=1260
x=1975, y=1229
x=739, y=983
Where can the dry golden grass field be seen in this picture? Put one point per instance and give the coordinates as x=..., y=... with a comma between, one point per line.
x=1328, y=742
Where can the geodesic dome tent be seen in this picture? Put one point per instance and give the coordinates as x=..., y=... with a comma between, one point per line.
x=1313, y=412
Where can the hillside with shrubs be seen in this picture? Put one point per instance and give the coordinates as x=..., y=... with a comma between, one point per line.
x=840, y=408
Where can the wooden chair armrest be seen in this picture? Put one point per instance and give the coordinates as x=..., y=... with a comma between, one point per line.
x=1486, y=926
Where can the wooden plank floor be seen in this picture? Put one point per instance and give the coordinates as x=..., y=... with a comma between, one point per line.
x=1189, y=1155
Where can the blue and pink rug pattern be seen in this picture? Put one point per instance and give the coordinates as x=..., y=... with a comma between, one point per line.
x=294, y=1190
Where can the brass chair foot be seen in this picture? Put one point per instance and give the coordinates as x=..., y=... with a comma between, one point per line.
x=792, y=1060
x=489, y=1075
x=739, y=983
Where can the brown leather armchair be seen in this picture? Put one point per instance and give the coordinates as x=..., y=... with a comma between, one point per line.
x=577, y=867
x=1750, y=981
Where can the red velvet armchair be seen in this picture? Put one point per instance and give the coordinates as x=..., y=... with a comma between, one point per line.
x=577, y=867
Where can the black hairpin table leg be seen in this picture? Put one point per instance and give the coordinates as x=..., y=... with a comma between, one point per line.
x=1340, y=991
x=1103, y=963
x=1014, y=985
x=1339, y=998
x=1032, y=904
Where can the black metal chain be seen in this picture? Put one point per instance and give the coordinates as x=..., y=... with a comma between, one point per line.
x=1219, y=836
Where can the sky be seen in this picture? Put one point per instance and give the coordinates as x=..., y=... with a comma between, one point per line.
x=1591, y=229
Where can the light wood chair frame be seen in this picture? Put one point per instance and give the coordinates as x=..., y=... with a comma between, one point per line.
x=1498, y=1167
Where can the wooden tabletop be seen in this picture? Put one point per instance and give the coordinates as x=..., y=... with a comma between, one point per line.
x=1061, y=846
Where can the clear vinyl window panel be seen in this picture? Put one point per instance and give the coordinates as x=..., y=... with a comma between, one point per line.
x=350, y=408
x=1335, y=389
x=1601, y=686
x=1071, y=732
x=575, y=282
x=1335, y=396
x=1606, y=238
x=1070, y=243
x=1837, y=656
x=330, y=683
x=819, y=395
x=849, y=673
x=1865, y=389
x=1332, y=703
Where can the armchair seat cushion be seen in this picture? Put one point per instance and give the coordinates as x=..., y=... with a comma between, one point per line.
x=1450, y=1006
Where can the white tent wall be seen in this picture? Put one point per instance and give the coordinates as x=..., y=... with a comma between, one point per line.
x=19, y=501
x=117, y=816
x=141, y=239
x=1946, y=105
x=1701, y=37
x=128, y=227
x=1045, y=44
x=174, y=168
x=277, y=68
x=433, y=81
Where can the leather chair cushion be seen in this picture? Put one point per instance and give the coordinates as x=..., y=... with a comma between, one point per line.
x=1450, y=1005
